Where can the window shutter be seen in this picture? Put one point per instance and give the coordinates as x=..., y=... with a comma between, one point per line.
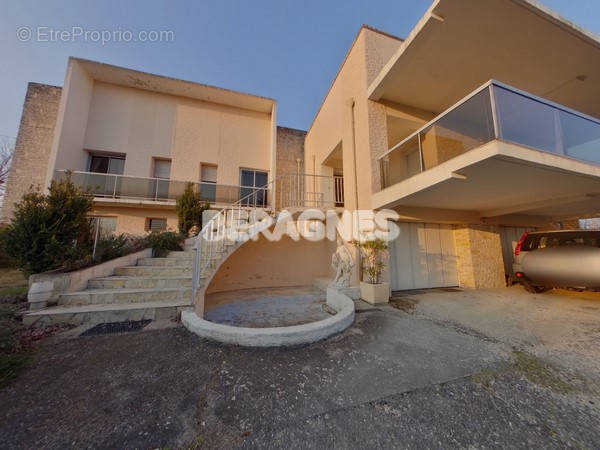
x=208, y=174
x=157, y=224
x=162, y=169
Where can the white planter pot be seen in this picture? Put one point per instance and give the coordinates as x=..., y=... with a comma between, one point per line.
x=375, y=293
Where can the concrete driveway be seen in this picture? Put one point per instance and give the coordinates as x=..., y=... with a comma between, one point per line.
x=398, y=378
x=561, y=326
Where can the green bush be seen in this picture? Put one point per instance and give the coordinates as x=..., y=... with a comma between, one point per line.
x=5, y=260
x=165, y=241
x=190, y=207
x=50, y=231
x=111, y=246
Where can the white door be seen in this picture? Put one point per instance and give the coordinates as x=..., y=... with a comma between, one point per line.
x=423, y=256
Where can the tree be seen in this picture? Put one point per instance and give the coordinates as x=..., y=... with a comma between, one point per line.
x=7, y=149
x=49, y=231
x=190, y=207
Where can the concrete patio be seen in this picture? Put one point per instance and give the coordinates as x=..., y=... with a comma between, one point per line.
x=261, y=308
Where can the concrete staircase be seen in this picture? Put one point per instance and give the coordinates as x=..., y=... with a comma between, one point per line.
x=216, y=245
x=155, y=288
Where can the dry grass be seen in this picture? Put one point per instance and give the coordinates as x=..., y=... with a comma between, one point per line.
x=12, y=282
x=530, y=367
x=404, y=303
x=540, y=372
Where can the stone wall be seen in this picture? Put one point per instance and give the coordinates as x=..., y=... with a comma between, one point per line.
x=34, y=142
x=480, y=261
x=290, y=147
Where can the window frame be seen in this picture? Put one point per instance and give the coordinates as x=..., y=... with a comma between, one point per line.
x=92, y=154
x=148, y=224
x=163, y=160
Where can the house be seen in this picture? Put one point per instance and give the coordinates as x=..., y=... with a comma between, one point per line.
x=135, y=140
x=480, y=125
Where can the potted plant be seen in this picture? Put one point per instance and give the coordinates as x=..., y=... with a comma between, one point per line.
x=372, y=289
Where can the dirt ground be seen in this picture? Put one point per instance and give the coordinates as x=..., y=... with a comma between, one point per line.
x=433, y=370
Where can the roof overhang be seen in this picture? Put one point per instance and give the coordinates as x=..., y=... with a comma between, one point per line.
x=122, y=76
x=458, y=45
x=499, y=179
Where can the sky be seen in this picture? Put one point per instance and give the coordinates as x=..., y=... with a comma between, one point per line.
x=289, y=50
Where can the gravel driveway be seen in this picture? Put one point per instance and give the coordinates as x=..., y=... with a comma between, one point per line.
x=398, y=378
x=560, y=326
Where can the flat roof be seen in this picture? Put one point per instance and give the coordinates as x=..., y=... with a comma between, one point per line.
x=457, y=46
x=123, y=76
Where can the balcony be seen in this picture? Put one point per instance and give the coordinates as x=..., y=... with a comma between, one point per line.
x=498, y=152
x=292, y=190
x=301, y=190
x=113, y=186
x=493, y=112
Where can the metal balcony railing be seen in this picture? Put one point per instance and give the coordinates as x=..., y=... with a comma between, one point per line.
x=300, y=190
x=158, y=189
x=494, y=111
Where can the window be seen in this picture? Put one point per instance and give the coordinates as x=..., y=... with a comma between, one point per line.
x=208, y=180
x=250, y=181
x=561, y=239
x=162, y=168
x=208, y=173
x=156, y=224
x=104, y=225
x=107, y=164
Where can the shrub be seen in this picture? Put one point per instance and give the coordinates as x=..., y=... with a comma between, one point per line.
x=5, y=260
x=49, y=231
x=111, y=246
x=190, y=207
x=164, y=241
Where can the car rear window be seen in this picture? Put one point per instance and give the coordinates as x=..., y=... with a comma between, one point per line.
x=561, y=239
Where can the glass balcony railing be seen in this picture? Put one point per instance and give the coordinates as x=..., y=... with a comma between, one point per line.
x=155, y=189
x=494, y=111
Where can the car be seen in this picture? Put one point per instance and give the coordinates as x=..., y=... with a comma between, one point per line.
x=558, y=259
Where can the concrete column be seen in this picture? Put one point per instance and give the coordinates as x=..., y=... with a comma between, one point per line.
x=480, y=262
x=378, y=140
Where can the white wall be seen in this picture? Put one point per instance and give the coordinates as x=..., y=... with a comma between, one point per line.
x=142, y=124
x=71, y=122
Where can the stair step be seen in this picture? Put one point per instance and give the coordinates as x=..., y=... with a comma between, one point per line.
x=108, y=296
x=165, y=262
x=139, y=282
x=181, y=254
x=154, y=271
x=116, y=312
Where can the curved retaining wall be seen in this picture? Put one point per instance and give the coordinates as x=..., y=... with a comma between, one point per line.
x=277, y=336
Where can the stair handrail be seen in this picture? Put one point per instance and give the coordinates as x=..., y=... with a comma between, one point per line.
x=215, y=230
x=215, y=237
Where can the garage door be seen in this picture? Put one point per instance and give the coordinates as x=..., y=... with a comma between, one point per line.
x=423, y=256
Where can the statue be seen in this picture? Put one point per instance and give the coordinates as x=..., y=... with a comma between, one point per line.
x=342, y=262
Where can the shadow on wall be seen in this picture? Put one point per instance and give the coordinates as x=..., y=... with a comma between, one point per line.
x=262, y=263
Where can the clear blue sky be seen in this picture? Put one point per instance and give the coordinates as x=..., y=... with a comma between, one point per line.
x=289, y=50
